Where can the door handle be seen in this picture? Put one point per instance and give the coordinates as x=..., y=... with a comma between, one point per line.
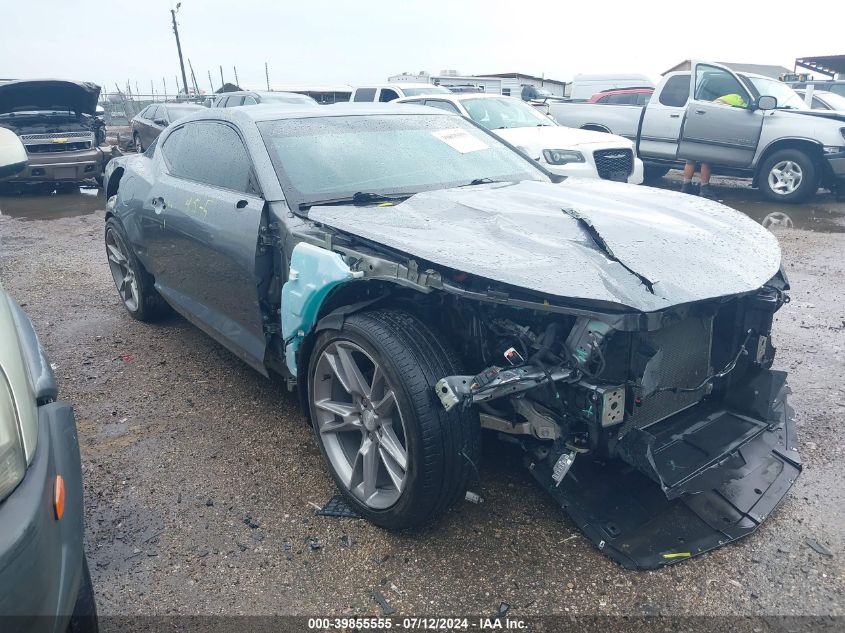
x=701, y=111
x=674, y=116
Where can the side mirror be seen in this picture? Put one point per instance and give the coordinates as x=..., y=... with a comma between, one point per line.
x=12, y=153
x=161, y=122
x=766, y=102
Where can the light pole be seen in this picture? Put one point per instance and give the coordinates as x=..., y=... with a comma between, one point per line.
x=179, y=47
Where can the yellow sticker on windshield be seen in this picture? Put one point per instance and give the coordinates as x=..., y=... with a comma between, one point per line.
x=460, y=140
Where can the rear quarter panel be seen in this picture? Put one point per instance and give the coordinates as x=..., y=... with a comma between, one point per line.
x=619, y=119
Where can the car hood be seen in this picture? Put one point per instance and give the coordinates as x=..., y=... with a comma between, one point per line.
x=46, y=94
x=836, y=115
x=558, y=137
x=638, y=247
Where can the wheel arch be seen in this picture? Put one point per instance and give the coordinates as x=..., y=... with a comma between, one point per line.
x=812, y=147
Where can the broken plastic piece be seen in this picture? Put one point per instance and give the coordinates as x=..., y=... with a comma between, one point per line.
x=337, y=507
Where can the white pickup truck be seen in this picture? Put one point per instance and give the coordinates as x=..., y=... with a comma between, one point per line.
x=772, y=137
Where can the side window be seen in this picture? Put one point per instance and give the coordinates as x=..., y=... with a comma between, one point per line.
x=198, y=151
x=675, y=92
x=151, y=150
x=365, y=94
x=818, y=105
x=235, y=101
x=151, y=113
x=443, y=105
x=387, y=94
x=643, y=98
x=712, y=83
x=250, y=100
x=221, y=102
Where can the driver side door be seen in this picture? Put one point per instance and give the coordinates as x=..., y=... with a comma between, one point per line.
x=208, y=209
x=714, y=132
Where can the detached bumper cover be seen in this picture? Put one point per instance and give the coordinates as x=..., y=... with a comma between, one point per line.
x=630, y=516
x=61, y=167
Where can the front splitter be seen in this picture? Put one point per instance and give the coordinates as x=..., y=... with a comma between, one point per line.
x=629, y=518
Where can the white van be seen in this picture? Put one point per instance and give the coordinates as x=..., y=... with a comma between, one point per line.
x=585, y=86
x=389, y=92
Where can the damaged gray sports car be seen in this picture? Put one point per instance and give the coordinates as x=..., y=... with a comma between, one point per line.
x=418, y=280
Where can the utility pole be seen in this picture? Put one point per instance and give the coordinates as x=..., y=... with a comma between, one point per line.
x=193, y=77
x=222, y=81
x=179, y=48
x=210, y=83
x=267, y=76
x=235, y=68
x=164, y=85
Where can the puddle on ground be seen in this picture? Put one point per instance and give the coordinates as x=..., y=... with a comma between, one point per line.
x=821, y=213
x=38, y=205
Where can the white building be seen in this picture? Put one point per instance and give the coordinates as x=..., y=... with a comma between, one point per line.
x=508, y=84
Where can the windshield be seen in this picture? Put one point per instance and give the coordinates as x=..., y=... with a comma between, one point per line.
x=428, y=90
x=498, y=114
x=335, y=157
x=787, y=98
x=295, y=99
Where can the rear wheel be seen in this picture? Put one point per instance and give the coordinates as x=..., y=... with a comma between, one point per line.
x=788, y=175
x=654, y=172
x=133, y=283
x=397, y=456
x=136, y=140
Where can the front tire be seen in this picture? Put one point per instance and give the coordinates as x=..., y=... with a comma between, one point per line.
x=396, y=455
x=788, y=175
x=134, y=284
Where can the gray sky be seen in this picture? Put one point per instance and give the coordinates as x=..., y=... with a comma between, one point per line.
x=334, y=41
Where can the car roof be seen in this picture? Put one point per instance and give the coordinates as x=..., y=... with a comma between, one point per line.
x=277, y=112
x=261, y=93
x=458, y=96
x=400, y=85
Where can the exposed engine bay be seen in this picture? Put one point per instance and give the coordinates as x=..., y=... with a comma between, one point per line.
x=691, y=406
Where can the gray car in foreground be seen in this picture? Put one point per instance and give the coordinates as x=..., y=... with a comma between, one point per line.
x=417, y=280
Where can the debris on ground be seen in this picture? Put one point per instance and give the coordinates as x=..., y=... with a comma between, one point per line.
x=337, y=507
x=817, y=547
x=386, y=609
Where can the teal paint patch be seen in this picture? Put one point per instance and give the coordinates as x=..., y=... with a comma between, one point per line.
x=314, y=272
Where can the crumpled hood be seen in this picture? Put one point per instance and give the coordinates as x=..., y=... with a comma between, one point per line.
x=635, y=246
x=539, y=138
x=46, y=94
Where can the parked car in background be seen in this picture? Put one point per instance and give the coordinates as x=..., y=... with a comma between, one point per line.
x=787, y=149
x=389, y=92
x=45, y=584
x=415, y=279
x=57, y=123
x=561, y=150
x=823, y=100
x=149, y=122
x=623, y=96
x=254, y=97
x=585, y=86
x=828, y=85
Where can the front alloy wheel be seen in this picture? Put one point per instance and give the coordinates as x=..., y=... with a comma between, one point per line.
x=397, y=456
x=788, y=175
x=360, y=424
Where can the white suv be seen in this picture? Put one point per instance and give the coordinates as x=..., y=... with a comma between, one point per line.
x=559, y=149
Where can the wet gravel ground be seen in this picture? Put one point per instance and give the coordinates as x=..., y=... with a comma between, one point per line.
x=201, y=479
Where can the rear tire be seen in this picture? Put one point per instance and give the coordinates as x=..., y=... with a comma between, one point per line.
x=440, y=450
x=651, y=173
x=134, y=284
x=136, y=141
x=84, y=617
x=788, y=175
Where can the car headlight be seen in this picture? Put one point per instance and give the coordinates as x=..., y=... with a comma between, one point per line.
x=562, y=156
x=12, y=458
